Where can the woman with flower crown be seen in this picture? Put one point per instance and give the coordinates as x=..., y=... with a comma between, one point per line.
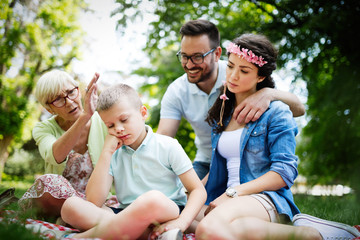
x=254, y=165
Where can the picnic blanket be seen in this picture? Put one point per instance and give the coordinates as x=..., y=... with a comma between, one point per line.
x=53, y=231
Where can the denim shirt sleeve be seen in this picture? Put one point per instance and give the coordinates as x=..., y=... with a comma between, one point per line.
x=282, y=130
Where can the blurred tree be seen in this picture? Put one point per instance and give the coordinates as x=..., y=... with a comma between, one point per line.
x=36, y=36
x=319, y=36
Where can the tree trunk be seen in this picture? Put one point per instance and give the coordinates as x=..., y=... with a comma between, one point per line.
x=4, y=153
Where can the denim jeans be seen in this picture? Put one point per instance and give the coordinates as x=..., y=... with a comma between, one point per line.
x=201, y=168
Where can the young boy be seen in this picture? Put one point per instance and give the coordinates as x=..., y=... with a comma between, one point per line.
x=149, y=171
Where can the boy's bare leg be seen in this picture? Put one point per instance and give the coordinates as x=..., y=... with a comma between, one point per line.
x=82, y=214
x=132, y=222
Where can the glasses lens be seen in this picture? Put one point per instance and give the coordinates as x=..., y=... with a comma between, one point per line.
x=59, y=102
x=73, y=93
x=178, y=55
x=183, y=58
x=197, y=58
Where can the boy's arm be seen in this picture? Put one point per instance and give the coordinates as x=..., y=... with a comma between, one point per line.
x=256, y=104
x=196, y=198
x=100, y=180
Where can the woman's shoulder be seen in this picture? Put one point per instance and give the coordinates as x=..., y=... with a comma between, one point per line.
x=278, y=105
x=96, y=117
x=277, y=111
x=280, y=112
x=47, y=123
x=47, y=127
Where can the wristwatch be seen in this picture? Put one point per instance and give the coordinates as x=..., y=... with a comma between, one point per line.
x=231, y=192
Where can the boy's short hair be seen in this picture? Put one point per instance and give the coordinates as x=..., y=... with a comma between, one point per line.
x=51, y=84
x=115, y=93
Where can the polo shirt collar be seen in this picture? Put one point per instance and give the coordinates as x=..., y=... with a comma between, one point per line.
x=149, y=134
x=147, y=138
x=218, y=84
x=195, y=90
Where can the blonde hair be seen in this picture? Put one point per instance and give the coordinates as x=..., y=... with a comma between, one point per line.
x=115, y=93
x=51, y=84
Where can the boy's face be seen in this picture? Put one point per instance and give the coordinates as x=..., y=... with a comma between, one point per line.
x=126, y=122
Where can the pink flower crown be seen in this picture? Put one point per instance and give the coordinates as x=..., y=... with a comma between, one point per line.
x=247, y=54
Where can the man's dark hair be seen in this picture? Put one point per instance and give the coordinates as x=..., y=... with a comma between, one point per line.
x=200, y=27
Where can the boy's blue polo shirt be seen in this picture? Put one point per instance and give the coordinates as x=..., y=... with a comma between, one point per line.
x=155, y=165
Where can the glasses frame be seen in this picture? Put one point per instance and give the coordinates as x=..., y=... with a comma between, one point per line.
x=179, y=56
x=65, y=97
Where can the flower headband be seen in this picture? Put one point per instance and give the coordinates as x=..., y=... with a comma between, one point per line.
x=247, y=54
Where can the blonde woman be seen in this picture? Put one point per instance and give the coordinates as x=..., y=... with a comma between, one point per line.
x=70, y=142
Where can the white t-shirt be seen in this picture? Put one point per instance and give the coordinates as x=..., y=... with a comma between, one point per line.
x=228, y=147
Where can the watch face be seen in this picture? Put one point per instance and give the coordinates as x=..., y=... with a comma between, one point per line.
x=230, y=192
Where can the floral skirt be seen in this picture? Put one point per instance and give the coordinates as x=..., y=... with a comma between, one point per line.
x=56, y=185
x=72, y=182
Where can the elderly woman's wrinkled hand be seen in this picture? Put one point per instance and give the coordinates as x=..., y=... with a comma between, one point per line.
x=91, y=96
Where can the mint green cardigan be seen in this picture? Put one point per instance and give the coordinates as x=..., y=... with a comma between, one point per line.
x=45, y=133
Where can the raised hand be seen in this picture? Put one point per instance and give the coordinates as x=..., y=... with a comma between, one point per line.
x=91, y=96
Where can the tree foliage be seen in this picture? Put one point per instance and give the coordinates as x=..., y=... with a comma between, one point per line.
x=35, y=37
x=319, y=36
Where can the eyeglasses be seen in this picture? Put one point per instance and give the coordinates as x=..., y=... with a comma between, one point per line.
x=61, y=101
x=195, y=59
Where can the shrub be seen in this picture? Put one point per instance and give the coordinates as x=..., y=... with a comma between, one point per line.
x=22, y=163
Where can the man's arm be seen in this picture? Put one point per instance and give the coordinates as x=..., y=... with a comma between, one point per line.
x=256, y=104
x=168, y=127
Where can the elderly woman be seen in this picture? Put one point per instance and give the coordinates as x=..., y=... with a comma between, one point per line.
x=70, y=141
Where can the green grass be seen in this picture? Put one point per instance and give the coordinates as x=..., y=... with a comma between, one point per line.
x=10, y=229
x=345, y=209
x=20, y=184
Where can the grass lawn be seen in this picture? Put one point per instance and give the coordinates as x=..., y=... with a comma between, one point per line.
x=20, y=184
x=343, y=209
x=16, y=230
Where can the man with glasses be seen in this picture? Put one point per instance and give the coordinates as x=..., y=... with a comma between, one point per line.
x=191, y=95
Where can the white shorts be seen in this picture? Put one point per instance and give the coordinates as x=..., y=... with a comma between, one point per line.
x=266, y=201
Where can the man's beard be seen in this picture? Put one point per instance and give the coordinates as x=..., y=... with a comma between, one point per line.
x=204, y=77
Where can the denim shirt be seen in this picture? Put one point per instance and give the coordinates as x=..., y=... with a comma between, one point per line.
x=267, y=144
